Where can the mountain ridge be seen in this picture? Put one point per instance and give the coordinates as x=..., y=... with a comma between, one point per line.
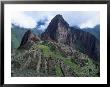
x=94, y=31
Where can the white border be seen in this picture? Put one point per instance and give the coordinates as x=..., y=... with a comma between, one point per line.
x=102, y=8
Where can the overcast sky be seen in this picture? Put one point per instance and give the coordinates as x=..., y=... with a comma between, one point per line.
x=41, y=19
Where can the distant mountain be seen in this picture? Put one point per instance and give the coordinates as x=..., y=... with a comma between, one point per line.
x=18, y=32
x=94, y=31
x=60, y=31
x=14, y=40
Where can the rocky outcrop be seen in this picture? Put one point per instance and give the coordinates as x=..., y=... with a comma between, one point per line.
x=57, y=30
x=60, y=31
x=28, y=39
x=86, y=43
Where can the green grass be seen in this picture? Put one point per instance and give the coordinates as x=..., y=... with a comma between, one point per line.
x=88, y=70
x=49, y=50
x=58, y=71
x=45, y=50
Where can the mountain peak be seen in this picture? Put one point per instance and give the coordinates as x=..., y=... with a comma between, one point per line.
x=59, y=19
x=28, y=38
x=59, y=16
x=28, y=32
x=57, y=29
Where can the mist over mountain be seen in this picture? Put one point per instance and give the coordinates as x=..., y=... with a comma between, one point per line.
x=94, y=31
x=59, y=51
x=18, y=32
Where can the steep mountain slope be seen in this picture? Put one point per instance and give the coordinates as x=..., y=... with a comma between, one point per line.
x=86, y=43
x=57, y=30
x=95, y=31
x=28, y=39
x=14, y=41
x=60, y=31
x=18, y=32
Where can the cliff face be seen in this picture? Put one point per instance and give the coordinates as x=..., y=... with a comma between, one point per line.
x=57, y=30
x=28, y=38
x=60, y=31
x=86, y=43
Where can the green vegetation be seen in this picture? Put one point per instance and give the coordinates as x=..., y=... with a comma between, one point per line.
x=14, y=42
x=45, y=50
x=49, y=51
x=17, y=34
x=89, y=69
x=58, y=71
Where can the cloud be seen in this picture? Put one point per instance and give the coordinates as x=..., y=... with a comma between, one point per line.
x=41, y=19
x=88, y=24
x=43, y=22
x=76, y=18
x=22, y=20
x=93, y=20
